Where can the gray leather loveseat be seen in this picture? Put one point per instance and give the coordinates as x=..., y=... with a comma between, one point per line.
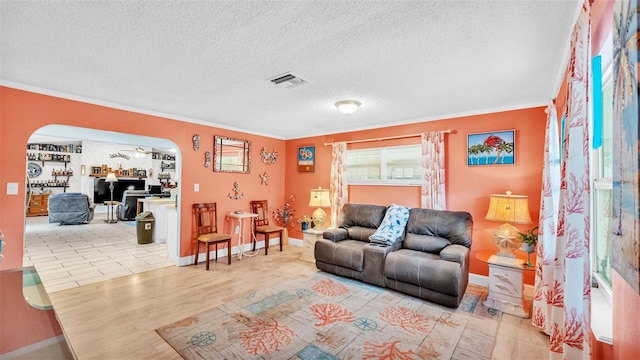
x=429, y=260
x=70, y=208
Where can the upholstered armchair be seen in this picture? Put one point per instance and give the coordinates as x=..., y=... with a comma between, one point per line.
x=128, y=209
x=70, y=208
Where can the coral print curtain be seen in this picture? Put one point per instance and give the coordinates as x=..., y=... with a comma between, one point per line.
x=562, y=289
x=338, y=180
x=433, y=188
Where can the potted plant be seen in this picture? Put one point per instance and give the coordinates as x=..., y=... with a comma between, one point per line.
x=304, y=222
x=529, y=242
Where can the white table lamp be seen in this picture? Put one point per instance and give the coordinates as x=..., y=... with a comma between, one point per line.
x=320, y=198
x=511, y=209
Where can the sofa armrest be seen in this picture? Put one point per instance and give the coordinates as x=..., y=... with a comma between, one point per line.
x=456, y=253
x=374, y=257
x=336, y=235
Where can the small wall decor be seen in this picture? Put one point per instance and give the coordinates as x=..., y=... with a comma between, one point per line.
x=491, y=148
x=269, y=157
x=207, y=159
x=196, y=142
x=306, y=158
x=264, y=178
x=237, y=194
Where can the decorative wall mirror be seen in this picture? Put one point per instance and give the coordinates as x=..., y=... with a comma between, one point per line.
x=231, y=155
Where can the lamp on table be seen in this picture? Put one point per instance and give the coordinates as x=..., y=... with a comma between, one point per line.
x=320, y=198
x=511, y=209
x=111, y=178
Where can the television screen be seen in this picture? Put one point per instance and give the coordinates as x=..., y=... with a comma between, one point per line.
x=101, y=192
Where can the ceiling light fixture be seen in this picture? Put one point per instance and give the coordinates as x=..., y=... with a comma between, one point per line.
x=348, y=106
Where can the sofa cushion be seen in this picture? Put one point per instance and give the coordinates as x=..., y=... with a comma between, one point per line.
x=425, y=270
x=455, y=226
x=425, y=243
x=368, y=216
x=391, y=229
x=346, y=254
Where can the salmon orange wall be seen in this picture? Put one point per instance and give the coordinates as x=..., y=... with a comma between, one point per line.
x=22, y=113
x=468, y=188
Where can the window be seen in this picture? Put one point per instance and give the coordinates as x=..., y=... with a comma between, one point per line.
x=387, y=165
x=602, y=162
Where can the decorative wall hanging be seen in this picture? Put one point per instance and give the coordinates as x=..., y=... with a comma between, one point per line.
x=491, y=148
x=34, y=170
x=231, y=155
x=306, y=158
x=264, y=178
x=237, y=194
x=207, y=159
x=269, y=157
x=196, y=142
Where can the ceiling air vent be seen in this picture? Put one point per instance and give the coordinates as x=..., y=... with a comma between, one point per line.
x=288, y=81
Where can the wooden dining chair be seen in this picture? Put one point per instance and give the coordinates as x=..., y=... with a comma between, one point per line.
x=206, y=226
x=261, y=224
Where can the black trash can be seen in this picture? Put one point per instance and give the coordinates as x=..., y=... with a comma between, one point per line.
x=144, y=227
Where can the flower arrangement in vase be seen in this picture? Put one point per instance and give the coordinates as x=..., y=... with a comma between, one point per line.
x=529, y=242
x=284, y=215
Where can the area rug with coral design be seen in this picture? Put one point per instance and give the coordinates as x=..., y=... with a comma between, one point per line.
x=331, y=317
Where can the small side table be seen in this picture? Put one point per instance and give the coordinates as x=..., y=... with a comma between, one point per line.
x=111, y=219
x=310, y=237
x=505, y=283
x=240, y=217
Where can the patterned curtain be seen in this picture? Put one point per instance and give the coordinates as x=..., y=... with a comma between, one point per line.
x=433, y=187
x=547, y=226
x=338, y=190
x=568, y=291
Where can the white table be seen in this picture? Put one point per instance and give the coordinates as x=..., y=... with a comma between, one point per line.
x=310, y=237
x=506, y=284
x=240, y=217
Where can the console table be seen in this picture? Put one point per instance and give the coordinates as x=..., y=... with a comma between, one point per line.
x=505, y=283
x=310, y=237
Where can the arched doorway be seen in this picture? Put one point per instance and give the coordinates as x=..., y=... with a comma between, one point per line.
x=112, y=140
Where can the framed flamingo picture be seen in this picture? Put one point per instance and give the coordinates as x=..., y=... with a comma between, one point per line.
x=491, y=148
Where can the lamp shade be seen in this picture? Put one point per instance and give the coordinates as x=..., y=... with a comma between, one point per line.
x=509, y=208
x=111, y=178
x=348, y=106
x=320, y=198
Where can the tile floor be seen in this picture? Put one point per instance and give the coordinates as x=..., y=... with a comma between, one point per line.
x=75, y=255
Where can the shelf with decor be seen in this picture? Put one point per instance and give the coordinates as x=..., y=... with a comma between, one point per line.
x=104, y=170
x=68, y=148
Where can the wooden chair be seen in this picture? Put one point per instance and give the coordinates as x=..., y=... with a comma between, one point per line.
x=261, y=224
x=206, y=226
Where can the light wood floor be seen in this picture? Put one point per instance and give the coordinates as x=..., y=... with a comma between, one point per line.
x=116, y=319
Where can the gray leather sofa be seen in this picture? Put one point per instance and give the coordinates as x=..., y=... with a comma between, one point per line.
x=70, y=208
x=429, y=261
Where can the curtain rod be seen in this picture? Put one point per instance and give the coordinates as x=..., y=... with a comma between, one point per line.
x=447, y=131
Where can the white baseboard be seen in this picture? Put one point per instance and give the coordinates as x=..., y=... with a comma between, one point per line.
x=188, y=260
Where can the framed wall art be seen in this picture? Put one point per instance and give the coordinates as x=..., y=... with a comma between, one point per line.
x=491, y=148
x=306, y=158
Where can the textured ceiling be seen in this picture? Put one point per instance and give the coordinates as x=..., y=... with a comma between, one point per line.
x=209, y=61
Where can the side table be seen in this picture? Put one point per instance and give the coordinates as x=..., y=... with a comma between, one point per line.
x=111, y=219
x=310, y=237
x=240, y=216
x=506, y=283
